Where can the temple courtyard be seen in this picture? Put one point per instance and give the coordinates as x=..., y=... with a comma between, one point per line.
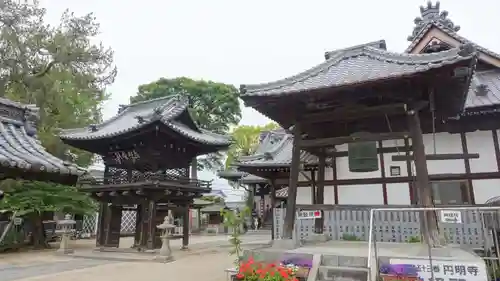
x=206, y=259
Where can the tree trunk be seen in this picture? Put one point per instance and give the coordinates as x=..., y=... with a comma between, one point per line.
x=38, y=237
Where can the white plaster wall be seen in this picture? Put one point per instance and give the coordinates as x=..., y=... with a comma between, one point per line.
x=485, y=189
x=398, y=194
x=482, y=142
x=304, y=195
x=445, y=143
x=370, y=194
x=329, y=195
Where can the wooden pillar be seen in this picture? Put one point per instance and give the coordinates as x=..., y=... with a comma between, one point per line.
x=411, y=187
x=151, y=225
x=143, y=236
x=382, y=171
x=262, y=203
x=320, y=192
x=334, y=177
x=423, y=186
x=292, y=187
x=273, y=205
x=101, y=224
x=470, y=188
x=185, y=227
x=138, y=221
x=199, y=219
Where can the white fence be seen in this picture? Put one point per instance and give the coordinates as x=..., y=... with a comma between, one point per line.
x=397, y=225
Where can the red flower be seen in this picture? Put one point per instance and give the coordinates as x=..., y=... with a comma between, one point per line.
x=240, y=276
x=284, y=274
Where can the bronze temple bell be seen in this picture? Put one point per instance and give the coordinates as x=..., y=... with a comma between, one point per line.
x=363, y=156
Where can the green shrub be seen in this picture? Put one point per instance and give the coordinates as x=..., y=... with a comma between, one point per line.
x=350, y=237
x=414, y=239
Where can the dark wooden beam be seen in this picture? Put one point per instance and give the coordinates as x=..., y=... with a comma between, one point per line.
x=354, y=113
x=382, y=173
x=441, y=156
x=292, y=188
x=320, y=194
x=328, y=142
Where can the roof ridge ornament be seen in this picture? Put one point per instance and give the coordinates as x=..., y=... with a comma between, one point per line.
x=140, y=119
x=431, y=14
x=93, y=128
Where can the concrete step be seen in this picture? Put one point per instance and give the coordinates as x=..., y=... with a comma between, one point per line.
x=344, y=261
x=342, y=273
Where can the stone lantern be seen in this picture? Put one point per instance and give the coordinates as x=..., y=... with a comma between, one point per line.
x=165, y=254
x=66, y=226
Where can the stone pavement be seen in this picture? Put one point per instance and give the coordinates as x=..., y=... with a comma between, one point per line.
x=44, y=265
x=209, y=267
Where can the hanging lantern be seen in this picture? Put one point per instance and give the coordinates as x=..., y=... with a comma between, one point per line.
x=363, y=156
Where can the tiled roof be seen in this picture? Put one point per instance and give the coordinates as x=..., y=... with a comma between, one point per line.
x=359, y=65
x=239, y=176
x=275, y=150
x=379, y=44
x=491, y=80
x=431, y=17
x=135, y=116
x=216, y=208
x=19, y=146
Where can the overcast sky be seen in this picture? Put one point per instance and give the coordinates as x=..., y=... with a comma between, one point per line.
x=242, y=42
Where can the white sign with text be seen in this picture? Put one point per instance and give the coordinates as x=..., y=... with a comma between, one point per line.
x=309, y=215
x=447, y=270
x=448, y=216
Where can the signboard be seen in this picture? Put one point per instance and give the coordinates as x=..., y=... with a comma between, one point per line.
x=448, y=216
x=446, y=270
x=18, y=221
x=309, y=215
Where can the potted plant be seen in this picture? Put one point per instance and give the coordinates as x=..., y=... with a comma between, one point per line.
x=257, y=271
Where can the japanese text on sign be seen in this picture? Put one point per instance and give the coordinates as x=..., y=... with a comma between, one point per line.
x=446, y=270
x=448, y=216
x=122, y=156
x=308, y=214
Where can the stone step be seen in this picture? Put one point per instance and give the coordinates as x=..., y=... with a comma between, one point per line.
x=344, y=261
x=342, y=273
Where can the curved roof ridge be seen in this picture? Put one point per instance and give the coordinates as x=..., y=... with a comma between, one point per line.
x=380, y=44
x=273, y=151
x=177, y=97
x=163, y=107
x=464, y=50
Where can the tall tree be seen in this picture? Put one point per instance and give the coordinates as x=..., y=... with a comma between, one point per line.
x=246, y=140
x=58, y=68
x=213, y=106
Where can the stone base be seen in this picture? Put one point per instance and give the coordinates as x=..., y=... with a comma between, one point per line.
x=164, y=259
x=67, y=251
x=285, y=244
x=318, y=237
